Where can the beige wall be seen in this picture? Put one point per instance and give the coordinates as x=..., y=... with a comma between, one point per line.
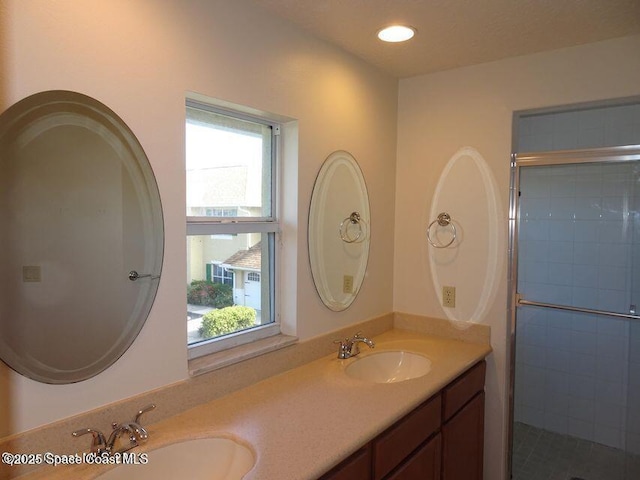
x=141, y=58
x=440, y=113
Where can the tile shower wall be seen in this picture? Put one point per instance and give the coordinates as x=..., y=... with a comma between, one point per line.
x=579, y=374
x=592, y=128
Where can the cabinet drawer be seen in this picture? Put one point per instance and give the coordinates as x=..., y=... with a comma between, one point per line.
x=357, y=465
x=395, y=444
x=423, y=465
x=460, y=391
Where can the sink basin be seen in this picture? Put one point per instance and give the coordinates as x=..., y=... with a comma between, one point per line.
x=389, y=367
x=212, y=458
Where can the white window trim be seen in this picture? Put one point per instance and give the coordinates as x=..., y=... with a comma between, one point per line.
x=236, y=225
x=232, y=340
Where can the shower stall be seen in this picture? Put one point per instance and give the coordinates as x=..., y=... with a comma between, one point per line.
x=575, y=313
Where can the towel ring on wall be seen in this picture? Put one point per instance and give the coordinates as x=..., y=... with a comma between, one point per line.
x=353, y=219
x=444, y=220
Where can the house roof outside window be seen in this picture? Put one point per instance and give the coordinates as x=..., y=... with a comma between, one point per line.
x=250, y=259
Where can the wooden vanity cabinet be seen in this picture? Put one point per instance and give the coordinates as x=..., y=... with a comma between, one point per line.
x=463, y=426
x=442, y=439
x=405, y=451
x=394, y=447
x=424, y=464
x=357, y=466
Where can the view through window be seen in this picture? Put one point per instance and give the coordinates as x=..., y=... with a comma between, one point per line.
x=231, y=226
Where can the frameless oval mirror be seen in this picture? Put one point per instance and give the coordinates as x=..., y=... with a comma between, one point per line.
x=82, y=240
x=339, y=221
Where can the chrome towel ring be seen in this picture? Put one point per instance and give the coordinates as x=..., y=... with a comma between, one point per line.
x=353, y=219
x=444, y=220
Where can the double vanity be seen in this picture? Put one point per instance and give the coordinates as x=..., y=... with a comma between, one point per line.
x=413, y=404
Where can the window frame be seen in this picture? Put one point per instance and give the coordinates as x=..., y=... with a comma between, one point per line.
x=269, y=225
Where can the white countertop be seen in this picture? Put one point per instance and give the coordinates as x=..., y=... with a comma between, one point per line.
x=304, y=421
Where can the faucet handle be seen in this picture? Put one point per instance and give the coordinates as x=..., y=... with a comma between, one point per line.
x=344, y=348
x=142, y=411
x=98, y=441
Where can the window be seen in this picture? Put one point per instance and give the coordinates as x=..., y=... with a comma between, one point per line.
x=253, y=277
x=220, y=275
x=231, y=228
x=221, y=212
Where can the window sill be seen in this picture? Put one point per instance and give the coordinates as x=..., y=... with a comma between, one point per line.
x=224, y=358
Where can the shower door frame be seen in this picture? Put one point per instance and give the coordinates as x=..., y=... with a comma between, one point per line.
x=626, y=153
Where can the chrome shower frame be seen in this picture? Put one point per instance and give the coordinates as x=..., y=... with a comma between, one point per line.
x=627, y=153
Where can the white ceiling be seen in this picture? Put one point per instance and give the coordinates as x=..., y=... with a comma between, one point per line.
x=455, y=33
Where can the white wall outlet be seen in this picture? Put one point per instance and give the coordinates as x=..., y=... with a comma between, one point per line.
x=449, y=297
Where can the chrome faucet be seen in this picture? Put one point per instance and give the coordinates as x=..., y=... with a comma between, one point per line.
x=136, y=432
x=349, y=347
x=118, y=431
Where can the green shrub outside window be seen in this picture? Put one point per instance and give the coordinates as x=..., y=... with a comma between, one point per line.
x=227, y=320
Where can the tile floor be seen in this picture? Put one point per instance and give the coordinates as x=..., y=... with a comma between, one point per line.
x=542, y=455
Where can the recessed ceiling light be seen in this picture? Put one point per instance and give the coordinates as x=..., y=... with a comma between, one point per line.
x=396, y=33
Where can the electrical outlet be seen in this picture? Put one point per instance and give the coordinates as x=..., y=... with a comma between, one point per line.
x=449, y=297
x=347, y=284
x=31, y=273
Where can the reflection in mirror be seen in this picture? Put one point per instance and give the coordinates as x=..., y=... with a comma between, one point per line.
x=80, y=210
x=339, y=235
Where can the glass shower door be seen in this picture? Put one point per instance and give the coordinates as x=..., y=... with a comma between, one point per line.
x=577, y=367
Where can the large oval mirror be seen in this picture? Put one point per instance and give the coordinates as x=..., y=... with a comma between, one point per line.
x=339, y=230
x=82, y=237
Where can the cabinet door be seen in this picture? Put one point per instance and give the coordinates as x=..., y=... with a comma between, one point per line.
x=463, y=389
x=422, y=465
x=396, y=443
x=463, y=442
x=357, y=466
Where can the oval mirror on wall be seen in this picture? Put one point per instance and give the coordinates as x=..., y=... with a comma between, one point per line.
x=466, y=190
x=339, y=234
x=82, y=241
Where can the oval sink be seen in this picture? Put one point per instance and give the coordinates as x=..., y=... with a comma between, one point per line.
x=200, y=459
x=389, y=367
